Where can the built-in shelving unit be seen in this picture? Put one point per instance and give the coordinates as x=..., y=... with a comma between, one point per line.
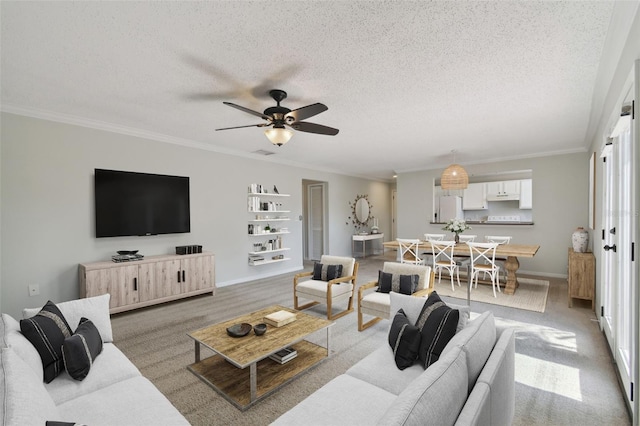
x=266, y=209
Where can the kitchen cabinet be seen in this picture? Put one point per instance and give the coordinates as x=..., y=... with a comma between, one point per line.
x=153, y=280
x=475, y=197
x=526, y=194
x=503, y=191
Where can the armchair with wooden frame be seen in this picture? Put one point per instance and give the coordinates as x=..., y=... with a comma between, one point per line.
x=327, y=292
x=378, y=304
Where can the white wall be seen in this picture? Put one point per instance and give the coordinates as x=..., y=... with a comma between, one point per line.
x=560, y=200
x=47, y=213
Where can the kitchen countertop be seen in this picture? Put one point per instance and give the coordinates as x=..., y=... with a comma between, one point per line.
x=470, y=222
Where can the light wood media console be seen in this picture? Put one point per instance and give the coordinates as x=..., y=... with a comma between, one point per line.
x=152, y=280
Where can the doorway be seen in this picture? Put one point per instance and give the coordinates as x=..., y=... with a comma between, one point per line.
x=619, y=272
x=315, y=235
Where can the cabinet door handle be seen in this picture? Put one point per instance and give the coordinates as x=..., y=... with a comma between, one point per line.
x=183, y=279
x=178, y=276
x=607, y=248
x=135, y=284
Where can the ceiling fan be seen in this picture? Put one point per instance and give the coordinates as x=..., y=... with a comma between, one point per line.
x=278, y=118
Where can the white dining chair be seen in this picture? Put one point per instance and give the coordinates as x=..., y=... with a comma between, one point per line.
x=483, y=259
x=442, y=252
x=428, y=257
x=467, y=238
x=410, y=251
x=500, y=239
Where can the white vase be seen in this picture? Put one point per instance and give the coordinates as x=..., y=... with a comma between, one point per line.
x=580, y=240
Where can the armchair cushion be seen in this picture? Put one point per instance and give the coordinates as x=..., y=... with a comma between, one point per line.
x=347, y=263
x=404, y=339
x=323, y=272
x=319, y=289
x=405, y=284
x=423, y=272
x=437, y=323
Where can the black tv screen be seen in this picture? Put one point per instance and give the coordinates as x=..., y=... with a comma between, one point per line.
x=129, y=203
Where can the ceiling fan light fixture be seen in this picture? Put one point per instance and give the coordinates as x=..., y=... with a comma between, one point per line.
x=278, y=135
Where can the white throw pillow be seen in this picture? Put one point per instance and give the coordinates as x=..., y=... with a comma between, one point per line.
x=94, y=308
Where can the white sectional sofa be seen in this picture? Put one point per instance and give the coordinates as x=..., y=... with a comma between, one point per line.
x=472, y=383
x=113, y=393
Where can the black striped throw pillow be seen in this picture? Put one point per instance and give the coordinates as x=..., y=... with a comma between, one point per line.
x=437, y=324
x=405, y=284
x=404, y=339
x=47, y=331
x=326, y=272
x=80, y=350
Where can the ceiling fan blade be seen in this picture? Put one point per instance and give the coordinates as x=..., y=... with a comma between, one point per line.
x=249, y=111
x=303, y=126
x=250, y=125
x=306, y=111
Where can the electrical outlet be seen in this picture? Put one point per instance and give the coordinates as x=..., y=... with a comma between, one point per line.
x=34, y=290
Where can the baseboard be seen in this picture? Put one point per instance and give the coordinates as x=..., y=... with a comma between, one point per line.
x=258, y=277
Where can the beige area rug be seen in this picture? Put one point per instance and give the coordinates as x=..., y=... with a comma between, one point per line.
x=530, y=295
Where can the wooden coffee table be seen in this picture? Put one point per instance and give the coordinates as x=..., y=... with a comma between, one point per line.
x=226, y=371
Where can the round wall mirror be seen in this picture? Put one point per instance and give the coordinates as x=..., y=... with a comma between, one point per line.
x=362, y=210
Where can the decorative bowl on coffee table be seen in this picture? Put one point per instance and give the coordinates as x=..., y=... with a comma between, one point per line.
x=239, y=330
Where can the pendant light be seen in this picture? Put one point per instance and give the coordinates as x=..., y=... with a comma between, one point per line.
x=454, y=176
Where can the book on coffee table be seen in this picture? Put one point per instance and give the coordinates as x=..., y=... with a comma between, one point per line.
x=280, y=318
x=284, y=355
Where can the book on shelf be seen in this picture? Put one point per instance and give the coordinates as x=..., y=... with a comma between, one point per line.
x=280, y=318
x=284, y=355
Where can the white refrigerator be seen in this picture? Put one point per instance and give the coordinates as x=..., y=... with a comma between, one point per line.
x=450, y=208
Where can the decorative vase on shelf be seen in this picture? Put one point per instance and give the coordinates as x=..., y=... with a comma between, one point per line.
x=580, y=240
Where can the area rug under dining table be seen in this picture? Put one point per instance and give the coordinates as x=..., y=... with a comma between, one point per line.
x=531, y=294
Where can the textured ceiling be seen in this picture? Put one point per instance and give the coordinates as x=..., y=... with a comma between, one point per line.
x=405, y=82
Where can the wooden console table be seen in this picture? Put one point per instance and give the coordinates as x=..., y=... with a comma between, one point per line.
x=364, y=238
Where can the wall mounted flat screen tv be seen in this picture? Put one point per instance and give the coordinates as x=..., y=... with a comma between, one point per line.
x=129, y=203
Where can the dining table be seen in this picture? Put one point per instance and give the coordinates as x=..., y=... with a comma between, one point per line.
x=509, y=252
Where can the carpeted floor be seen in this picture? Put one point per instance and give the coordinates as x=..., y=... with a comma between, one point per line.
x=564, y=373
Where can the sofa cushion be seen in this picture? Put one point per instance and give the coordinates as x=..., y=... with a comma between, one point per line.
x=405, y=284
x=437, y=323
x=21, y=345
x=477, y=409
x=94, y=308
x=135, y=401
x=47, y=331
x=412, y=307
x=436, y=397
x=476, y=340
x=345, y=400
x=24, y=399
x=404, y=340
x=393, y=380
x=81, y=349
x=499, y=375
x=324, y=272
x=110, y=367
